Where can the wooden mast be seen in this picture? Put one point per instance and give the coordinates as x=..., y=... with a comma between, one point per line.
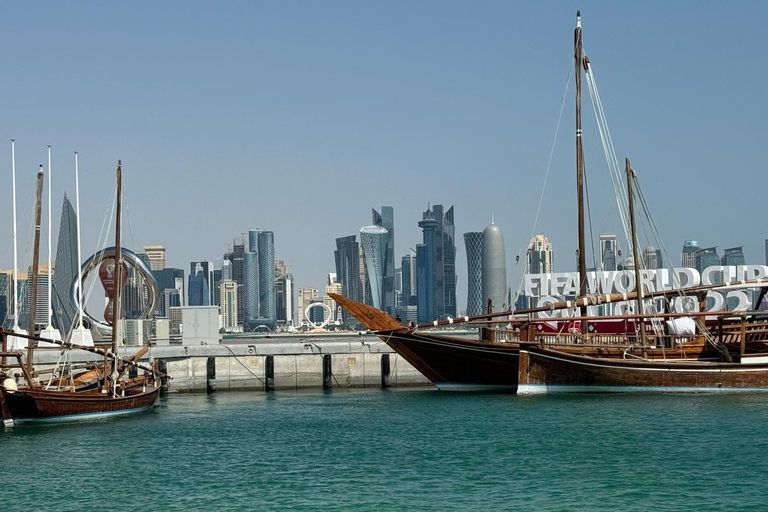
x=635, y=256
x=35, y=268
x=580, y=170
x=117, y=306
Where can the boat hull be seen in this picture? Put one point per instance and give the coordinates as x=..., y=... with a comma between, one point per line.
x=38, y=405
x=551, y=371
x=455, y=364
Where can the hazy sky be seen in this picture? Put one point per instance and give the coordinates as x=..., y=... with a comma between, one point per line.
x=299, y=117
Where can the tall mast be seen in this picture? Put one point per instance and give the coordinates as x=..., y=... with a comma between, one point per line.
x=118, y=263
x=48, y=325
x=638, y=282
x=79, y=255
x=15, y=245
x=35, y=266
x=580, y=170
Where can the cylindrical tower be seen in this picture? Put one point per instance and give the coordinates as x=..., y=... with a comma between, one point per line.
x=494, y=268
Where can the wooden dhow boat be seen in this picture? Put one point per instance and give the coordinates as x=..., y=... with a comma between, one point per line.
x=498, y=357
x=99, y=392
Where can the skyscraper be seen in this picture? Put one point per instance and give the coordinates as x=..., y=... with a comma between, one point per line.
x=374, y=240
x=386, y=220
x=733, y=256
x=285, y=305
x=494, y=268
x=650, y=259
x=688, y=257
x=540, y=256
x=707, y=258
x=347, y=261
x=436, y=265
x=156, y=255
x=267, y=303
x=473, y=242
x=66, y=269
x=609, y=251
x=228, y=304
x=201, y=283
x=170, y=286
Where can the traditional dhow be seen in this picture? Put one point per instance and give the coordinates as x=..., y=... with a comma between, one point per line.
x=449, y=362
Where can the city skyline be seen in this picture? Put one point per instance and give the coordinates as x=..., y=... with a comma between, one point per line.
x=461, y=99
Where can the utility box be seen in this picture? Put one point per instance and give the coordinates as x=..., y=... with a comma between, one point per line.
x=200, y=325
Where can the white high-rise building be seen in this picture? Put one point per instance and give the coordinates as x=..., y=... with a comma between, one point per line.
x=540, y=258
x=156, y=255
x=228, y=304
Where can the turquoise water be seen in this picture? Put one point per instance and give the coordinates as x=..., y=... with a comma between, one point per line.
x=399, y=450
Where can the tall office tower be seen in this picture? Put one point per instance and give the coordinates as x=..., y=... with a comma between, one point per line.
x=386, y=220
x=408, y=266
x=228, y=304
x=365, y=286
x=66, y=269
x=285, y=305
x=237, y=258
x=436, y=265
x=473, y=242
x=216, y=284
x=373, y=240
x=541, y=259
x=3, y=308
x=347, y=261
x=201, y=283
x=226, y=269
x=688, y=258
x=267, y=303
x=156, y=255
x=650, y=259
x=41, y=301
x=707, y=258
x=170, y=283
x=659, y=259
x=494, y=268
x=251, y=282
x=609, y=251
x=134, y=294
x=306, y=296
x=733, y=256
x=332, y=287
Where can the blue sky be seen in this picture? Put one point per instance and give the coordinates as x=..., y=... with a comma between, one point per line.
x=300, y=117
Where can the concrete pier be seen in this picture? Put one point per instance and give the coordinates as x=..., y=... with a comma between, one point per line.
x=273, y=363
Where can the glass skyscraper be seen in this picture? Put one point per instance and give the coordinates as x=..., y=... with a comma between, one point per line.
x=374, y=240
x=386, y=219
x=66, y=268
x=347, y=261
x=260, y=306
x=436, y=265
x=473, y=242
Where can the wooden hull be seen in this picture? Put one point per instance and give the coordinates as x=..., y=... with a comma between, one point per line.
x=544, y=370
x=39, y=405
x=457, y=364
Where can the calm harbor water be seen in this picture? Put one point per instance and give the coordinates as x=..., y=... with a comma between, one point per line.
x=399, y=450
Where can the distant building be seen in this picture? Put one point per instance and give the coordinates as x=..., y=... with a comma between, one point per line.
x=285, y=305
x=650, y=258
x=201, y=284
x=156, y=255
x=259, y=281
x=436, y=265
x=328, y=301
x=66, y=269
x=609, y=251
x=733, y=256
x=540, y=258
x=306, y=297
x=386, y=220
x=228, y=304
x=473, y=243
x=659, y=259
x=494, y=268
x=688, y=258
x=347, y=258
x=707, y=258
x=170, y=286
x=374, y=240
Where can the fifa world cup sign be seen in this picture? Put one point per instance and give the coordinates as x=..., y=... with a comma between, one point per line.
x=104, y=261
x=549, y=288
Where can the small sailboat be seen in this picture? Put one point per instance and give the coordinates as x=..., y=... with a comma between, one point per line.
x=104, y=391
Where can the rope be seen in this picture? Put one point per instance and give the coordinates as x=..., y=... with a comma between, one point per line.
x=546, y=174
